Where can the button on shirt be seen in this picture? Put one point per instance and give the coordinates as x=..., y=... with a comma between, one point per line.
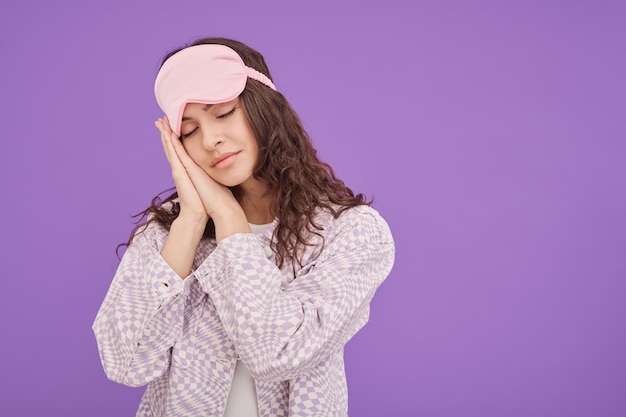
x=182, y=337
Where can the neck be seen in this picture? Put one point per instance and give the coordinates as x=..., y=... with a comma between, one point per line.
x=256, y=203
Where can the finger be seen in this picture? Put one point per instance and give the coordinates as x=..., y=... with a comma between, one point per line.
x=169, y=151
x=179, y=170
x=166, y=123
x=180, y=151
x=198, y=176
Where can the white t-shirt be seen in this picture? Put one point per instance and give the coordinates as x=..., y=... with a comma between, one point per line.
x=242, y=401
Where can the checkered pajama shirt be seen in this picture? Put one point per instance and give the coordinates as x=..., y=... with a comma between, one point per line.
x=183, y=337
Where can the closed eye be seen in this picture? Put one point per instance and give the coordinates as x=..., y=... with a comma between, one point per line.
x=228, y=113
x=186, y=135
x=221, y=116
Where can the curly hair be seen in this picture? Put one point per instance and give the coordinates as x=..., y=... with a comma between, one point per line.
x=299, y=183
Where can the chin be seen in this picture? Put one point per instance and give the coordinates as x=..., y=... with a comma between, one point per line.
x=230, y=181
x=231, y=178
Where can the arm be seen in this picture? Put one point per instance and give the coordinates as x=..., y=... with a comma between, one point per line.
x=141, y=315
x=182, y=242
x=284, y=333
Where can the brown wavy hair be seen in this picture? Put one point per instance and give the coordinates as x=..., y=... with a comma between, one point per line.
x=299, y=183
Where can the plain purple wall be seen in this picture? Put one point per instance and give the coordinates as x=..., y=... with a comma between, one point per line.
x=491, y=134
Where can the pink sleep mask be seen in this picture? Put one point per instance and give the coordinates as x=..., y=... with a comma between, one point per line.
x=207, y=74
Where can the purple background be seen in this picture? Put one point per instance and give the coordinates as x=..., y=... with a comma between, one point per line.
x=491, y=134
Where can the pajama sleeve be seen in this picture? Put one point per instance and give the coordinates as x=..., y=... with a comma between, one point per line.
x=142, y=314
x=283, y=332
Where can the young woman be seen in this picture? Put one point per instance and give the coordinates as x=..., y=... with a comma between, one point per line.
x=237, y=295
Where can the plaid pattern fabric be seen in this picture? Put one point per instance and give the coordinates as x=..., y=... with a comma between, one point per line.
x=182, y=337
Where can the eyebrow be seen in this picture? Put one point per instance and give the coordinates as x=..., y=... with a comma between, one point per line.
x=205, y=108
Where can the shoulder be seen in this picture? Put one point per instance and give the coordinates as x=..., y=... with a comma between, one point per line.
x=151, y=234
x=360, y=224
x=153, y=229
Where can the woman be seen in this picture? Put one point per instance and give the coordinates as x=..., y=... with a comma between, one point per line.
x=238, y=294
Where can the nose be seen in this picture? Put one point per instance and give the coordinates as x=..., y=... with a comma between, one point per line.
x=211, y=138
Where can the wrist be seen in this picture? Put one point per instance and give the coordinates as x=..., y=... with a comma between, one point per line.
x=227, y=224
x=229, y=216
x=191, y=222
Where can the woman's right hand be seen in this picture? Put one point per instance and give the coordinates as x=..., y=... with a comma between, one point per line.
x=191, y=206
x=187, y=229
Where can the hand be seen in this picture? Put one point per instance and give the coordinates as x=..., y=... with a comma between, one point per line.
x=200, y=189
x=190, y=203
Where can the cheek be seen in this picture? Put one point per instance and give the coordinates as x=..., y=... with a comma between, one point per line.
x=251, y=141
x=194, y=150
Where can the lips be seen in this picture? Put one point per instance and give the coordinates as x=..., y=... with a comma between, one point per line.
x=222, y=158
